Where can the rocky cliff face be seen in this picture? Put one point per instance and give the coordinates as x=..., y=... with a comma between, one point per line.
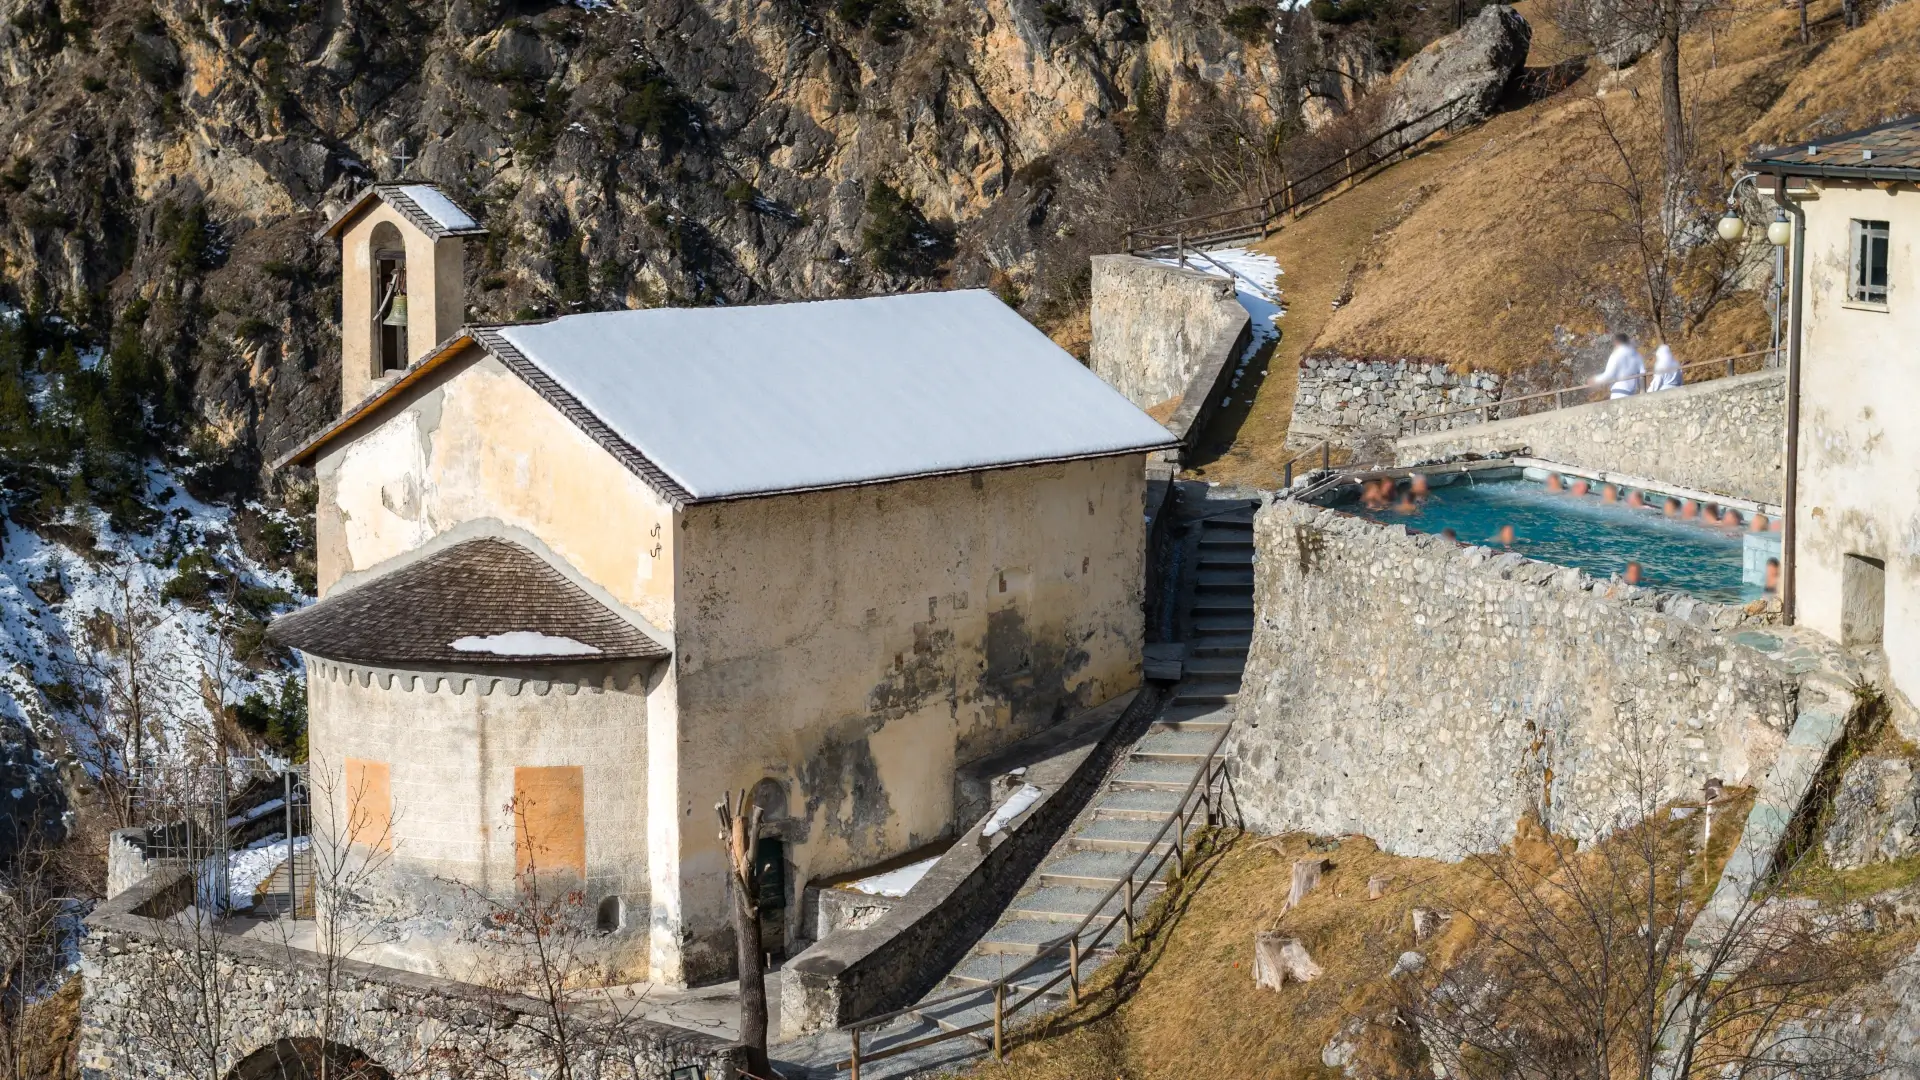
x=171, y=161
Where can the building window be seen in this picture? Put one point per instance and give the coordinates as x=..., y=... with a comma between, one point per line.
x=1868, y=282
x=613, y=915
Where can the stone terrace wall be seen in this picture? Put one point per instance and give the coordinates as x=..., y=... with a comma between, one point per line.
x=140, y=972
x=1727, y=436
x=1164, y=337
x=1352, y=401
x=1429, y=695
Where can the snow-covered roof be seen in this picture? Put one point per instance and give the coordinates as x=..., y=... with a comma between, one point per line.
x=427, y=207
x=732, y=402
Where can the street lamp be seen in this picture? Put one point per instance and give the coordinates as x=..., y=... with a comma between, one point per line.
x=1780, y=230
x=1732, y=226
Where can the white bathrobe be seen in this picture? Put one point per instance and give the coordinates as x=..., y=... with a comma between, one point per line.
x=1625, y=370
x=1666, y=369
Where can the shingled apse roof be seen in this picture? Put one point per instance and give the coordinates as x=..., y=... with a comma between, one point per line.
x=481, y=602
x=730, y=402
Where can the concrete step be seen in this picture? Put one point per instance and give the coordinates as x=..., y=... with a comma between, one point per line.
x=1188, y=746
x=1137, y=805
x=1021, y=937
x=1207, y=718
x=1206, y=624
x=1215, y=544
x=1223, y=666
x=1218, y=559
x=1221, y=603
x=1118, y=834
x=1206, y=691
x=1232, y=575
x=1153, y=776
x=1061, y=903
x=1093, y=869
x=1220, y=643
x=985, y=969
x=1241, y=524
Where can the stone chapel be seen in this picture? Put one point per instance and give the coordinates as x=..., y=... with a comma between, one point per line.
x=579, y=578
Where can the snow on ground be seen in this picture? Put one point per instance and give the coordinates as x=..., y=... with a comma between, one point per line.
x=523, y=643
x=1256, y=283
x=894, y=883
x=45, y=640
x=1015, y=805
x=248, y=868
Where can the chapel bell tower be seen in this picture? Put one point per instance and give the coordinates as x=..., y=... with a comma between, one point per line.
x=402, y=281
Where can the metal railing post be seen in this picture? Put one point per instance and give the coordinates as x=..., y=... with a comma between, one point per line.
x=1289, y=476
x=1127, y=907
x=1326, y=455
x=1180, y=247
x=293, y=892
x=999, y=1019
x=856, y=1053
x=1073, y=968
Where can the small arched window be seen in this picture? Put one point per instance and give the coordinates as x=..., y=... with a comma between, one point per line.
x=389, y=262
x=612, y=916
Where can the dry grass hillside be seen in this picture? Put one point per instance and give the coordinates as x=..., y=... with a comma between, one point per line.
x=1185, y=1004
x=1496, y=263
x=1491, y=250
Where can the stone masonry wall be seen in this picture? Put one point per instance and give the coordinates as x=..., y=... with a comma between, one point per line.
x=146, y=976
x=1727, y=436
x=1429, y=695
x=1351, y=401
x=1163, y=336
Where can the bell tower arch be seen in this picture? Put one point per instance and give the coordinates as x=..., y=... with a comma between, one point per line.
x=402, y=281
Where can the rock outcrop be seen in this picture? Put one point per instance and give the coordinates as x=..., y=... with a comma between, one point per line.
x=1471, y=67
x=176, y=158
x=1876, y=813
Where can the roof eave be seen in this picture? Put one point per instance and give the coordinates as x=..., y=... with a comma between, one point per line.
x=332, y=228
x=960, y=470
x=1811, y=170
x=441, y=353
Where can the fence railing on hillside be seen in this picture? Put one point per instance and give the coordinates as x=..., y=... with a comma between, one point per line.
x=1201, y=802
x=1567, y=396
x=1295, y=195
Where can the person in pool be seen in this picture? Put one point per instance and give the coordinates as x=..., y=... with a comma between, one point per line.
x=1449, y=535
x=1554, y=484
x=1505, y=536
x=1632, y=576
x=1773, y=577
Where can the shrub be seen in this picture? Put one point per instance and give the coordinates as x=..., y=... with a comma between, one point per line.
x=883, y=20
x=898, y=238
x=652, y=105
x=1249, y=23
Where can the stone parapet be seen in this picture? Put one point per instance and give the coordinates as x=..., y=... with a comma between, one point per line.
x=1167, y=338
x=1726, y=436
x=1430, y=695
x=150, y=973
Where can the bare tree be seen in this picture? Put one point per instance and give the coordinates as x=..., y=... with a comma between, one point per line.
x=119, y=697
x=739, y=829
x=35, y=907
x=1595, y=964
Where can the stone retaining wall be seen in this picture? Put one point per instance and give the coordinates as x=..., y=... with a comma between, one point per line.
x=147, y=974
x=1429, y=695
x=861, y=972
x=1351, y=401
x=1726, y=436
x=1166, y=337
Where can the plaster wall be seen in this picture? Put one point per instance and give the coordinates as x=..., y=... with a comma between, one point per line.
x=436, y=297
x=478, y=444
x=452, y=743
x=1726, y=436
x=1859, y=448
x=1430, y=695
x=1156, y=327
x=856, y=645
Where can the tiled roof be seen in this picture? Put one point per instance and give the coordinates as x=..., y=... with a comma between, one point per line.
x=1889, y=151
x=469, y=593
x=425, y=205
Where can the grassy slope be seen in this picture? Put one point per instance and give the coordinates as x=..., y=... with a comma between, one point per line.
x=1471, y=253
x=1187, y=1006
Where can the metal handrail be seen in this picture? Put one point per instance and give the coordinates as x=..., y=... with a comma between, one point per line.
x=1411, y=425
x=1288, y=196
x=1211, y=768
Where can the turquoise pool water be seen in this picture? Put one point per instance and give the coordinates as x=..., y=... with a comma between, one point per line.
x=1583, y=531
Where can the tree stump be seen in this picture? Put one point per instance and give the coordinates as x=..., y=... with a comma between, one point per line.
x=1279, y=959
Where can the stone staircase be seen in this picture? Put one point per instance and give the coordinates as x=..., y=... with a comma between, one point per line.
x=1122, y=820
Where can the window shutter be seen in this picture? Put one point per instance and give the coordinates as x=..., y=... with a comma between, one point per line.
x=1856, y=262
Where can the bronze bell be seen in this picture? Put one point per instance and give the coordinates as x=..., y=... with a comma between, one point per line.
x=396, y=311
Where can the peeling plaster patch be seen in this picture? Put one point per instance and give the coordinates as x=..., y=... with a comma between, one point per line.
x=915, y=676
x=841, y=784
x=380, y=490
